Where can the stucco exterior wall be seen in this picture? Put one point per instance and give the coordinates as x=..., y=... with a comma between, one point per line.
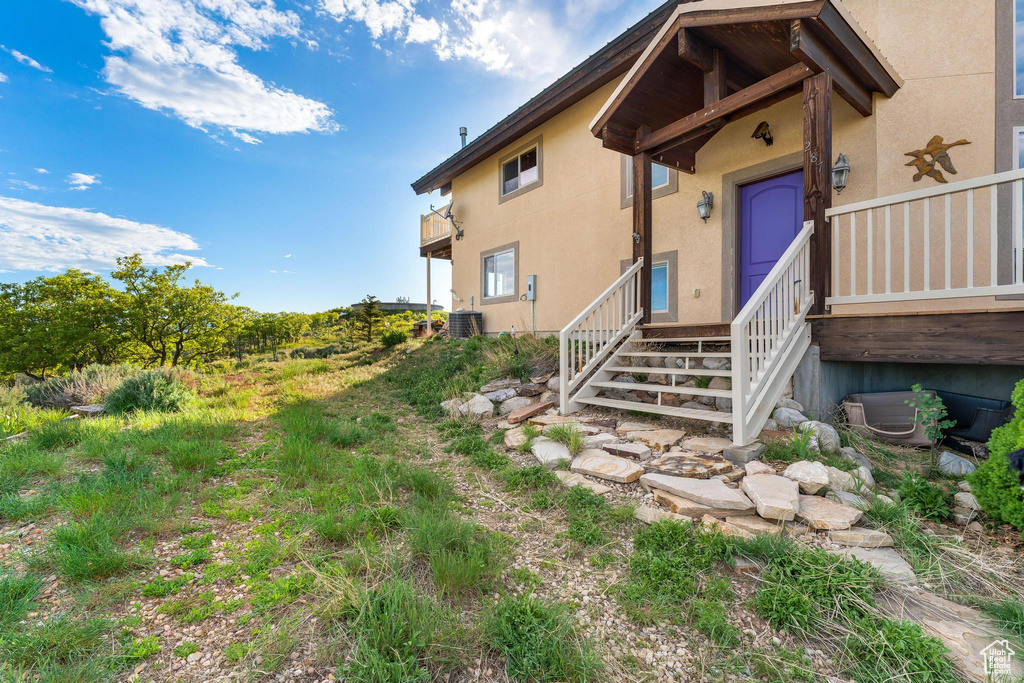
x=572, y=232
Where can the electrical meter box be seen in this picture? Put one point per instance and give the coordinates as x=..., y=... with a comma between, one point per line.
x=531, y=287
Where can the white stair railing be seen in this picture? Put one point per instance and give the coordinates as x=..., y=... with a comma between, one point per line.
x=937, y=243
x=769, y=337
x=585, y=343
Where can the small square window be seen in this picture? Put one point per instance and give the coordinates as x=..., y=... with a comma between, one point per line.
x=521, y=171
x=659, y=178
x=500, y=274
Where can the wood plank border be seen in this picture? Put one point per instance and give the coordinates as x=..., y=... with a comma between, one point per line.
x=988, y=338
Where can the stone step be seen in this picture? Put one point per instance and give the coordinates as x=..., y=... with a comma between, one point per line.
x=664, y=388
x=686, y=413
x=678, y=354
x=679, y=372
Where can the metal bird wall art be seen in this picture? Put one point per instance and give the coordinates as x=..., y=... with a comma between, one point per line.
x=936, y=153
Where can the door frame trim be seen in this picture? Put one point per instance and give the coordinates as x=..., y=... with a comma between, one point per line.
x=731, y=183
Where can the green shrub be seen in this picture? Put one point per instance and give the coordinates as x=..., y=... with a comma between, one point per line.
x=320, y=352
x=924, y=498
x=79, y=387
x=995, y=484
x=393, y=338
x=11, y=397
x=539, y=641
x=156, y=390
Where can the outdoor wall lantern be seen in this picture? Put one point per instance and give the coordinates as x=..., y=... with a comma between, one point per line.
x=705, y=205
x=762, y=132
x=840, y=173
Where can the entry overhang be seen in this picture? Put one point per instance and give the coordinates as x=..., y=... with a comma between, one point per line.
x=718, y=60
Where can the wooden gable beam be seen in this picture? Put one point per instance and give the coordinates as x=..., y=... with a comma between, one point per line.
x=865, y=62
x=669, y=135
x=811, y=50
x=696, y=51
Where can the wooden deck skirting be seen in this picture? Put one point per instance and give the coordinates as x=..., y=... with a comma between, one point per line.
x=984, y=337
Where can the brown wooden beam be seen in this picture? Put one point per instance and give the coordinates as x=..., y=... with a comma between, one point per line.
x=818, y=181
x=618, y=137
x=984, y=338
x=750, y=15
x=715, y=87
x=731, y=104
x=696, y=51
x=811, y=50
x=642, y=224
x=864, y=60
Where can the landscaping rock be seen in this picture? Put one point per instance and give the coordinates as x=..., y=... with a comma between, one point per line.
x=950, y=463
x=812, y=476
x=741, y=455
x=863, y=476
x=624, y=428
x=824, y=438
x=649, y=515
x=694, y=405
x=629, y=450
x=791, y=404
x=757, y=467
x=963, y=516
x=724, y=528
x=530, y=389
x=543, y=421
x=690, y=465
x=500, y=395
x=964, y=486
x=514, y=404
x=710, y=492
x=707, y=444
x=571, y=479
x=515, y=437
x=599, y=440
x=856, y=457
x=755, y=525
x=507, y=383
x=847, y=498
x=841, y=481
x=597, y=463
x=549, y=453
x=453, y=406
x=689, y=508
x=659, y=439
x=885, y=499
x=525, y=413
x=890, y=565
x=478, y=406
x=861, y=538
x=967, y=500
x=553, y=384
x=821, y=513
x=717, y=364
x=788, y=418
x=88, y=411
x=775, y=497
x=771, y=425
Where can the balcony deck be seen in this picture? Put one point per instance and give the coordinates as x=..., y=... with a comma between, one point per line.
x=435, y=235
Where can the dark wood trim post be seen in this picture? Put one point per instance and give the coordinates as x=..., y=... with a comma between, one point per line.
x=818, y=182
x=641, y=238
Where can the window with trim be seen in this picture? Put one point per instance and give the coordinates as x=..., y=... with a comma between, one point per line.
x=1018, y=147
x=664, y=181
x=1018, y=48
x=659, y=287
x=521, y=171
x=500, y=274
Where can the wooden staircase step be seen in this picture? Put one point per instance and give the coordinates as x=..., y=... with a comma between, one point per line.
x=686, y=413
x=678, y=354
x=682, y=372
x=682, y=340
x=665, y=389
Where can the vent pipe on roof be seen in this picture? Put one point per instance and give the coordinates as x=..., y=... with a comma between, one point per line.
x=463, y=132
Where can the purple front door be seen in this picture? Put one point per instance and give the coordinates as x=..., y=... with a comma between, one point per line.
x=771, y=216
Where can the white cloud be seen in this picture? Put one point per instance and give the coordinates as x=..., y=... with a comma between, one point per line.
x=3, y=78
x=41, y=170
x=22, y=184
x=274, y=272
x=529, y=39
x=26, y=60
x=82, y=181
x=287, y=255
x=180, y=56
x=50, y=238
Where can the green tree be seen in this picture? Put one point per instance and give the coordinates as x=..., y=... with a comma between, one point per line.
x=172, y=324
x=58, y=323
x=368, y=315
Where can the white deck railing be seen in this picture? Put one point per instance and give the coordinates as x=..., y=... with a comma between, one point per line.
x=937, y=243
x=587, y=341
x=433, y=227
x=769, y=337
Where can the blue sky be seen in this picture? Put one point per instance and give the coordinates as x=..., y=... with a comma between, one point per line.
x=272, y=142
